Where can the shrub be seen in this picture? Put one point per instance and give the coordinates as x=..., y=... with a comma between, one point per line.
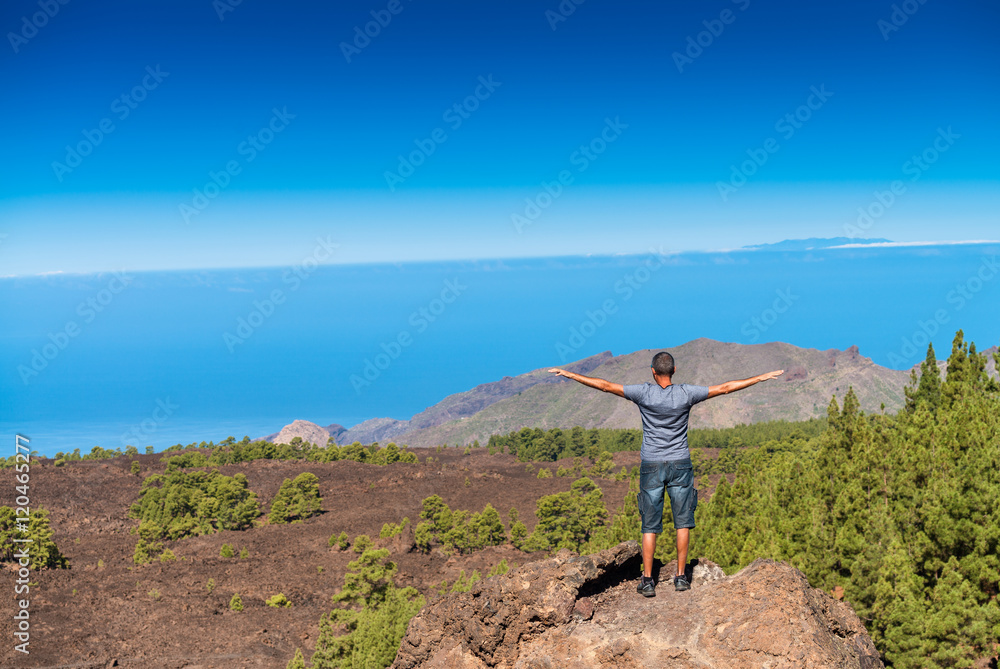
x=340, y=542
x=568, y=519
x=278, y=601
x=167, y=556
x=463, y=584
x=43, y=553
x=226, y=551
x=244, y=553
x=144, y=550
x=210, y=586
x=501, y=568
x=236, y=603
x=423, y=536
x=375, y=615
x=136, y=468
x=390, y=530
x=297, y=662
x=297, y=499
x=192, y=503
x=459, y=530
x=544, y=473
x=362, y=542
x=437, y=512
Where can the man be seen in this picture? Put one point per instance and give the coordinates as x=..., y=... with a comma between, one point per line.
x=666, y=460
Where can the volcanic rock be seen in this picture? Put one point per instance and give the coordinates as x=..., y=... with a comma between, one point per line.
x=583, y=611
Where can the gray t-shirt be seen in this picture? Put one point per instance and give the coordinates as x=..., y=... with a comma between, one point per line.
x=665, y=418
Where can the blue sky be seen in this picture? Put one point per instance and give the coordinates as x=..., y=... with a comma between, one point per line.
x=177, y=91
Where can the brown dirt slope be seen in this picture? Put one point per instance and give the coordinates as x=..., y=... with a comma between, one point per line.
x=161, y=616
x=584, y=612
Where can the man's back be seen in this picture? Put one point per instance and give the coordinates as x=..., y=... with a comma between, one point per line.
x=665, y=414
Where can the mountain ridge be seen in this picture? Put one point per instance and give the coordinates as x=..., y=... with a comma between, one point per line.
x=539, y=399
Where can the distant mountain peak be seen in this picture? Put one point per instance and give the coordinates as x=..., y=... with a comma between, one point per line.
x=813, y=243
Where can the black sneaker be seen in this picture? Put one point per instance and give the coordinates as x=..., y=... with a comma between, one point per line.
x=646, y=587
x=682, y=583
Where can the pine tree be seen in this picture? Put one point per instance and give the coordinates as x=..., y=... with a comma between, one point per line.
x=926, y=387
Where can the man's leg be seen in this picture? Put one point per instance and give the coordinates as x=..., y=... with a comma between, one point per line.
x=648, y=548
x=683, y=537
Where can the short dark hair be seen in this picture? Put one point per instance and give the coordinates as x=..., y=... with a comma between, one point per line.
x=663, y=364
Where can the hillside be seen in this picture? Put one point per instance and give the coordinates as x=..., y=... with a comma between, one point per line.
x=539, y=399
x=811, y=378
x=106, y=611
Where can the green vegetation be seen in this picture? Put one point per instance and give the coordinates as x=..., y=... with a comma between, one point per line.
x=464, y=583
x=501, y=568
x=568, y=519
x=182, y=504
x=226, y=551
x=13, y=461
x=244, y=553
x=298, y=661
x=361, y=543
x=167, y=556
x=230, y=452
x=518, y=531
x=136, y=468
x=210, y=586
x=373, y=611
x=459, y=530
x=43, y=551
x=297, y=499
x=278, y=601
x=390, y=530
x=340, y=541
x=901, y=511
x=144, y=550
x=535, y=444
x=236, y=603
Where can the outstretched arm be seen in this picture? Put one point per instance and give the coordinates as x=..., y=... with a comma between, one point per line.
x=733, y=386
x=599, y=384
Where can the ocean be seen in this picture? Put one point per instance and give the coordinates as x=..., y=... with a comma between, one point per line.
x=158, y=358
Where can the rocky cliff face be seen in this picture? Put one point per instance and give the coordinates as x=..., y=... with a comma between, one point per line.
x=584, y=611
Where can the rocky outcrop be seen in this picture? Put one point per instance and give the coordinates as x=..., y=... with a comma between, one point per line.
x=583, y=611
x=308, y=432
